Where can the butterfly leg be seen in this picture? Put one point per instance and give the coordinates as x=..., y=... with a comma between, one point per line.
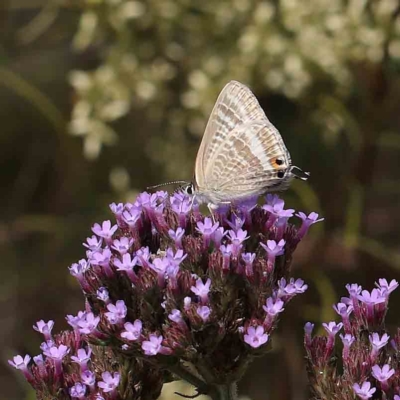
x=213, y=207
x=192, y=202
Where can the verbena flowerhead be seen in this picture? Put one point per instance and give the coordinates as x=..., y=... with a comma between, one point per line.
x=369, y=364
x=73, y=368
x=166, y=286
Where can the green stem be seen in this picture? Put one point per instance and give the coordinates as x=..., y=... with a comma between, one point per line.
x=186, y=375
x=215, y=391
x=224, y=392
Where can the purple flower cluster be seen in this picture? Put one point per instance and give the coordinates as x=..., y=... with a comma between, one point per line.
x=72, y=368
x=166, y=286
x=369, y=362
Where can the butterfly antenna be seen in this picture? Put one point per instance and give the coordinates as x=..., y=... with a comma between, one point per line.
x=166, y=183
x=299, y=173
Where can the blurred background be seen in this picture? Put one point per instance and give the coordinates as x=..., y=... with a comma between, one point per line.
x=101, y=98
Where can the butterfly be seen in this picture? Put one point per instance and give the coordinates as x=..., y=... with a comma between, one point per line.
x=241, y=155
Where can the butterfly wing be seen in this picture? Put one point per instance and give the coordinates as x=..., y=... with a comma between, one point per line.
x=236, y=105
x=253, y=159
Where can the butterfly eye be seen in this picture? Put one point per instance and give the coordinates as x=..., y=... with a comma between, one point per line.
x=280, y=174
x=189, y=189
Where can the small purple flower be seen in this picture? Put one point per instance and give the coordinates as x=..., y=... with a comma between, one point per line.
x=44, y=328
x=255, y=336
x=332, y=327
x=308, y=329
x=122, y=245
x=105, y=230
x=382, y=374
x=88, y=323
x=354, y=289
x=287, y=290
x=236, y=223
x=347, y=339
x=38, y=360
x=343, y=309
x=160, y=265
x=312, y=218
x=88, y=378
x=133, y=331
x=375, y=303
x=176, y=316
x=154, y=206
x=153, y=346
x=275, y=207
x=74, y=320
x=217, y=236
x=346, y=300
x=110, y=382
x=202, y=289
x=387, y=287
x=82, y=358
x=375, y=297
x=57, y=352
x=299, y=285
x=365, y=391
x=103, y=295
x=102, y=258
x=181, y=205
x=207, y=229
x=237, y=238
x=245, y=207
x=272, y=199
x=187, y=301
x=377, y=342
x=131, y=217
x=248, y=259
x=226, y=251
x=127, y=264
x=143, y=256
x=93, y=243
x=116, y=313
x=172, y=275
x=177, y=236
x=78, y=269
x=273, y=250
x=177, y=258
x=143, y=199
x=204, y=312
x=22, y=364
x=273, y=306
x=47, y=345
x=78, y=391
x=117, y=210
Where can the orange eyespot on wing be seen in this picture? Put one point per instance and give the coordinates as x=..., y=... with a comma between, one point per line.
x=276, y=162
